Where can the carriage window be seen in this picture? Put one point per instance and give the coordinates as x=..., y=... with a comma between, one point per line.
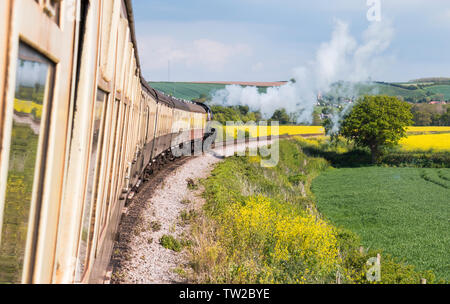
x=147, y=124
x=92, y=182
x=34, y=82
x=111, y=166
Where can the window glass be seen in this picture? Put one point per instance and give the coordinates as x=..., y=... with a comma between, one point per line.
x=111, y=167
x=33, y=86
x=92, y=182
x=147, y=122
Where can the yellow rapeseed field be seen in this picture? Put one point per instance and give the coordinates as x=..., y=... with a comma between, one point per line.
x=24, y=106
x=305, y=130
x=436, y=142
x=420, y=138
x=427, y=129
x=297, y=130
x=281, y=130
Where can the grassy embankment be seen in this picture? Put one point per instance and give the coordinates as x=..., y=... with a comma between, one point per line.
x=260, y=225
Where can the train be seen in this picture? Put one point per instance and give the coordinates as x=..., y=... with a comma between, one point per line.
x=80, y=128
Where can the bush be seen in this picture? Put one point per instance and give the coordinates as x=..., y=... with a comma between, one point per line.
x=417, y=159
x=297, y=179
x=344, y=154
x=169, y=242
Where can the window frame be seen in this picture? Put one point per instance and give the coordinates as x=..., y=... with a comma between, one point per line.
x=34, y=210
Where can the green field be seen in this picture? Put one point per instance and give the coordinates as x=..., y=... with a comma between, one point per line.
x=386, y=89
x=404, y=211
x=410, y=92
x=441, y=89
x=188, y=90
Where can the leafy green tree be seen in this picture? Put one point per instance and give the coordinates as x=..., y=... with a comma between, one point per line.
x=235, y=113
x=377, y=122
x=258, y=116
x=430, y=115
x=243, y=109
x=421, y=118
x=282, y=116
x=445, y=118
x=202, y=98
x=328, y=126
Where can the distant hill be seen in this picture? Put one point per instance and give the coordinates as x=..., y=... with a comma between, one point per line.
x=247, y=83
x=432, y=79
x=420, y=90
x=415, y=92
x=412, y=92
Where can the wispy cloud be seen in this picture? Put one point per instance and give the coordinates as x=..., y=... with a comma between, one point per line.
x=204, y=53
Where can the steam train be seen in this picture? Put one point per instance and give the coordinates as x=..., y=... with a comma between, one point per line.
x=79, y=128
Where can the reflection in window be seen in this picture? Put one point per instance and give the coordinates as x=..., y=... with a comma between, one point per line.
x=114, y=129
x=120, y=147
x=33, y=86
x=92, y=182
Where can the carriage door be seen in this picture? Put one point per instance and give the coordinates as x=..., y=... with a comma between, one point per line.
x=34, y=120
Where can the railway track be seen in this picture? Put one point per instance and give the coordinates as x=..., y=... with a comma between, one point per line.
x=131, y=213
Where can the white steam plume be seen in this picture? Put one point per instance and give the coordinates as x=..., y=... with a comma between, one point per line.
x=340, y=59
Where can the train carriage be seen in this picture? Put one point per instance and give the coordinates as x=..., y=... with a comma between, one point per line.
x=79, y=129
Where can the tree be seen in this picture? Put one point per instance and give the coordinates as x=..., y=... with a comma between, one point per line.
x=430, y=115
x=234, y=113
x=421, y=117
x=281, y=115
x=328, y=126
x=377, y=122
x=243, y=109
x=202, y=98
x=445, y=118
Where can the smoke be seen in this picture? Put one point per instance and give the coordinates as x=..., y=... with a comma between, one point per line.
x=341, y=59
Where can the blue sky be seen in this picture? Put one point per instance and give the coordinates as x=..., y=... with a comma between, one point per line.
x=265, y=40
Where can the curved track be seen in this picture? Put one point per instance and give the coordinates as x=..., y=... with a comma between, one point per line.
x=131, y=214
